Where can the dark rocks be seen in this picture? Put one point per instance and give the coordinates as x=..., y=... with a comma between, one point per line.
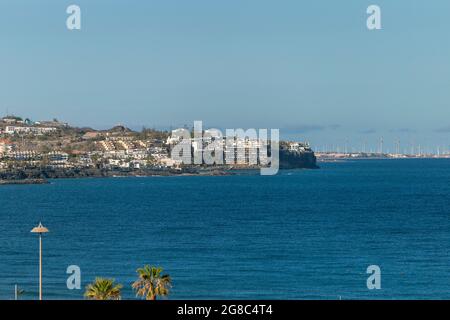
x=297, y=160
x=24, y=181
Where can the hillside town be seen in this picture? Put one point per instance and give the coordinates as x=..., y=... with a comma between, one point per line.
x=55, y=144
x=52, y=149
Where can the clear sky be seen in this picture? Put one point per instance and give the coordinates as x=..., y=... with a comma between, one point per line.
x=310, y=68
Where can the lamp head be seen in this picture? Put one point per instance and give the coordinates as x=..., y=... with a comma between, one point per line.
x=39, y=229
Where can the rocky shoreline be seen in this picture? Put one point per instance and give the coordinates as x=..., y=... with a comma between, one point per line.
x=41, y=175
x=23, y=182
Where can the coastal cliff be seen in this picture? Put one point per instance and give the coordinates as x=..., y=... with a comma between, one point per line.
x=300, y=156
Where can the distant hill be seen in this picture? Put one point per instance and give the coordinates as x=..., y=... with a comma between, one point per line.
x=119, y=129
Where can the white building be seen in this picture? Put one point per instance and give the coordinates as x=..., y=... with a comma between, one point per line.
x=57, y=157
x=28, y=130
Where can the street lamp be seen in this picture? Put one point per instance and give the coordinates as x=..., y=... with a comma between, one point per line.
x=40, y=229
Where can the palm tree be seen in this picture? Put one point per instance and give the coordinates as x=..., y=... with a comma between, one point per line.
x=151, y=283
x=103, y=289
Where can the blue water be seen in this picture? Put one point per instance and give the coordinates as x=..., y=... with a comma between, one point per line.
x=304, y=234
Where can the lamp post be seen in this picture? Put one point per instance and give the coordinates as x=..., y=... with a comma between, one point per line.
x=40, y=229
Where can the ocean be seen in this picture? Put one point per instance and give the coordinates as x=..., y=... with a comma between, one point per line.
x=303, y=234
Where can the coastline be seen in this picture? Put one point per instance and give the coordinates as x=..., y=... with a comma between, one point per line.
x=203, y=172
x=38, y=175
x=23, y=182
x=25, y=177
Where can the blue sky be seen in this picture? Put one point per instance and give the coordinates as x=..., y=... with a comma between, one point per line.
x=310, y=68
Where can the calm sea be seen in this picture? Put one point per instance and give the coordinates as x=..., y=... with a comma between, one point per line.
x=304, y=234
